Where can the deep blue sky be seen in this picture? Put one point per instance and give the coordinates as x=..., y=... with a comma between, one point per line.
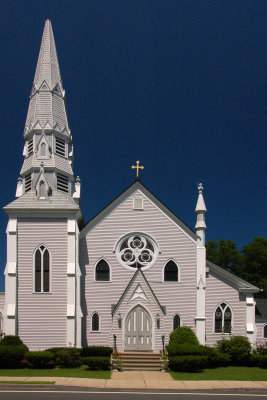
x=178, y=85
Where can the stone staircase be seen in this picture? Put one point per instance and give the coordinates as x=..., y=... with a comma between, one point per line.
x=140, y=361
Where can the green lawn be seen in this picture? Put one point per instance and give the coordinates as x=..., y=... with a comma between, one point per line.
x=223, y=374
x=67, y=372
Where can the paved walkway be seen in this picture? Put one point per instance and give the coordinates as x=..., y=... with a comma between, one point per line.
x=141, y=380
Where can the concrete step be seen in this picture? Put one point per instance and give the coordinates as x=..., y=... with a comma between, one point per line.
x=140, y=361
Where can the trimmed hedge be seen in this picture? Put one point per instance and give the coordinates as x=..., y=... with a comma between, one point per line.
x=11, y=340
x=68, y=358
x=184, y=349
x=96, y=351
x=214, y=359
x=188, y=363
x=183, y=335
x=40, y=359
x=11, y=356
x=258, y=360
x=97, y=363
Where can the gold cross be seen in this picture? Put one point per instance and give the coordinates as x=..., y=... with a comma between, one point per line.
x=137, y=167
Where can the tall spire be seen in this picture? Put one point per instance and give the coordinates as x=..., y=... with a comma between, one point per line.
x=48, y=150
x=47, y=99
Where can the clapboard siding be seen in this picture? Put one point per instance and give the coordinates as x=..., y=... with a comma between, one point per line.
x=219, y=290
x=2, y=301
x=42, y=316
x=173, y=244
x=261, y=340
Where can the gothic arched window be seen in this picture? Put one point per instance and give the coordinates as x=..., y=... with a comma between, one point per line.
x=41, y=270
x=95, y=322
x=102, y=272
x=176, y=321
x=265, y=331
x=171, y=272
x=223, y=319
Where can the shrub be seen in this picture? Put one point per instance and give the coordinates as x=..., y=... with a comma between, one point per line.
x=68, y=358
x=188, y=363
x=55, y=350
x=183, y=335
x=11, y=356
x=97, y=363
x=259, y=360
x=40, y=359
x=11, y=340
x=261, y=350
x=184, y=349
x=238, y=347
x=95, y=351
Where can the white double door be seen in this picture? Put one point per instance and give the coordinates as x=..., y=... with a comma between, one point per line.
x=138, y=330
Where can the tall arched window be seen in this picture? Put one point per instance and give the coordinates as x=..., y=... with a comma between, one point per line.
x=176, y=321
x=102, y=272
x=171, y=272
x=95, y=322
x=265, y=331
x=223, y=319
x=42, y=270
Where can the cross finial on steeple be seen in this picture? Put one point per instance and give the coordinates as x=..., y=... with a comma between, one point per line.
x=137, y=167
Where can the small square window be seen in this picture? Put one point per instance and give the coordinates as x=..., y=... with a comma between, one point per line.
x=138, y=203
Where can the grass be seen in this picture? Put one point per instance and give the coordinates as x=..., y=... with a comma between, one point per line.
x=223, y=374
x=57, y=372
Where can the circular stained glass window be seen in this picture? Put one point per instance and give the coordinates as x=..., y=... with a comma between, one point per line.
x=137, y=251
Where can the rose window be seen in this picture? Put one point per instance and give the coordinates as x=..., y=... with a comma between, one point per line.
x=136, y=251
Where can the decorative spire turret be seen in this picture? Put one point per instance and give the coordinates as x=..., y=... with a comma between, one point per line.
x=48, y=140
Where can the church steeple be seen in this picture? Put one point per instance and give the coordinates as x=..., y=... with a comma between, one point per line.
x=47, y=99
x=48, y=149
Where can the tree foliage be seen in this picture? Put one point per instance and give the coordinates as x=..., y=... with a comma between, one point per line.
x=250, y=263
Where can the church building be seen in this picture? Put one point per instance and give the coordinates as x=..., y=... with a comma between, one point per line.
x=129, y=276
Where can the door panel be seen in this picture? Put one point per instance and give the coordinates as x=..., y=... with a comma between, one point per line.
x=138, y=330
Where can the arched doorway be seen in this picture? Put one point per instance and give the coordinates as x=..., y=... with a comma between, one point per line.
x=138, y=330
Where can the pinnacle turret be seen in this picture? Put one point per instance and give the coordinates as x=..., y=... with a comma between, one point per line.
x=200, y=210
x=47, y=99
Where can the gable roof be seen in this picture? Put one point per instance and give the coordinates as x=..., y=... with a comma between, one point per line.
x=138, y=271
x=137, y=185
x=242, y=285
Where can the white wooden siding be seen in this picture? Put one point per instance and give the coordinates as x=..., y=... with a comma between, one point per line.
x=173, y=242
x=2, y=301
x=260, y=333
x=219, y=290
x=42, y=316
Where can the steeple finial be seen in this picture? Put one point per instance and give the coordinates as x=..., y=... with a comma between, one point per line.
x=200, y=210
x=200, y=202
x=47, y=89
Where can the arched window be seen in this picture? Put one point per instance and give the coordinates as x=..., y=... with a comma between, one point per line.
x=223, y=319
x=95, y=322
x=176, y=321
x=43, y=149
x=42, y=270
x=265, y=331
x=171, y=272
x=102, y=271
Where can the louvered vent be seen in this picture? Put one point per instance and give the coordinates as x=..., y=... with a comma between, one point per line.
x=28, y=182
x=30, y=146
x=60, y=147
x=62, y=183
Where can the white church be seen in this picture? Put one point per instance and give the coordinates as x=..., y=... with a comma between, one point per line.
x=131, y=275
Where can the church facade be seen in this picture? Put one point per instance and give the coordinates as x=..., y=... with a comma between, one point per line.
x=126, y=278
